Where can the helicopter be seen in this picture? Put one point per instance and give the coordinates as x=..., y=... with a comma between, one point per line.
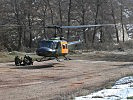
x=54, y=47
x=58, y=46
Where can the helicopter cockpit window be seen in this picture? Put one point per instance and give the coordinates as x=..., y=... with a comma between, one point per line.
x=57, y=45
x=64, y=46
x=48, y=44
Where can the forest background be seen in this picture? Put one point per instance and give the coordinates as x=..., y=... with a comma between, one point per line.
x=23, y=22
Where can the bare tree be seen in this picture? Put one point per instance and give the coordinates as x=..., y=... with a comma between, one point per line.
x=51, y=11
x=113, y=15
x=69, y=17
x=17, y=13
x=60, y=14
x=96, y=17
x=29, y=18
x=121, y=10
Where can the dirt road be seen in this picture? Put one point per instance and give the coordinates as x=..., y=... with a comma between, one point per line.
x=59, y=80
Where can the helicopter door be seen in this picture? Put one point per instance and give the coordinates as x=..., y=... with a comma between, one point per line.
x=64, y=47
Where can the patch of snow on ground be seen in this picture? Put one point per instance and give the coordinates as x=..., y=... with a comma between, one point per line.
x=122, y=89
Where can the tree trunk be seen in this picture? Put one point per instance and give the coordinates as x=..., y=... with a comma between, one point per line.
x=20, y=38
x=113, y=15
x=97, y=11
x=19, y=27
x=101, y=35
x=69, y=18
x=83, y=20
x=51, y=11
x=44, y=22
x=30, y=31
x=60, y=15
x=122, y=23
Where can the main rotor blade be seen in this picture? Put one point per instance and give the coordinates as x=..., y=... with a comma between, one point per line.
x=65, y=27
x=86, y=26
x=52, y=26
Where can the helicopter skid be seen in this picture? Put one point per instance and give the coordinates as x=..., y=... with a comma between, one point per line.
x=66, y=58
x=44, y=59
x=52, y=58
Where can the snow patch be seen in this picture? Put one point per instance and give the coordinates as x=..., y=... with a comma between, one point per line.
x=122, y=89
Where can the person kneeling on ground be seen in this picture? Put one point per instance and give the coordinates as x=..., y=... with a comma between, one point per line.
x=26, y=61
x=18, y=61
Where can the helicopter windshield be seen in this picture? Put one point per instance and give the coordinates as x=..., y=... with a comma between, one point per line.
x=48, y=44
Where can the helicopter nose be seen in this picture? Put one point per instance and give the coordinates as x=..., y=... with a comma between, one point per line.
x=43, y=51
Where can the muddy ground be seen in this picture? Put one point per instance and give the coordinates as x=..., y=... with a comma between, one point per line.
x=52, y=80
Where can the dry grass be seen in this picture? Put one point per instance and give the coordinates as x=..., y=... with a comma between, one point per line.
x=9, y=56
x=5, y=57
